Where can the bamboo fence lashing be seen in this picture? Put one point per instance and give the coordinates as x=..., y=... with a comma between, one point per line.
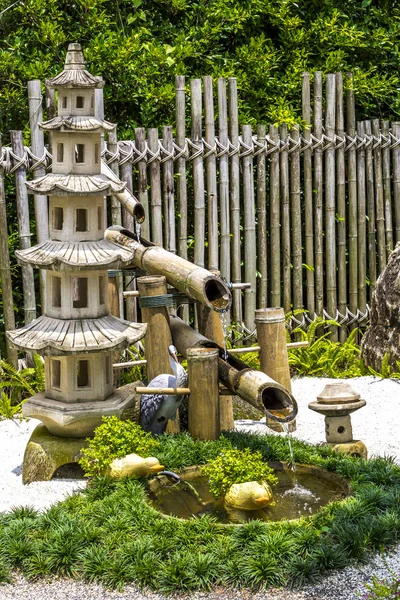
x=308, y=197
x=211, y=171
x=225, y=254
x=275, y=221
x=369, y=170
x=352, y=198
x=330, y=206
x=318, y=185
x=387, y=187
x=234, y=188
x=380, y=209
x=262, y=265
x=341, y=204
x=198, y=176
x=285, y=218
x=249, y=228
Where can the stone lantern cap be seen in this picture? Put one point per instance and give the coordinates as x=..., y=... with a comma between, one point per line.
x=337, y=399
x=74, y=73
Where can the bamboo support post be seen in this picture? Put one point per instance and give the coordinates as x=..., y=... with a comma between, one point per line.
x=249, y=229
x=341, y=203
x=262, y=266
x=155, y=188
x=379, y=199
x=387, y=188
x=295, y=217
x=204, y=393
x=129, y=364
x=141, y=165
x=285, y=218
x=169, y=197
x=234, y=188
x=318, y=193
x=225, y=241
x=369, y=171
x=37, y=147
x=50, y=94
x=5, y=272
x=163, y=391
x=158, y=334
x=271, y=336
x=211, y=174
x=129, y=223
x=198, y=172
x=308, y=197
x=115, y=284
x=396, y=181
x=330, y=202
x=275, y=220
x=24, y=232
x=361, y=229
x=352, y=197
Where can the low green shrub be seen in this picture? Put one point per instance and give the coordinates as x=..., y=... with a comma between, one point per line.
x=237, y=466
x=387, y=589
x=114, y=439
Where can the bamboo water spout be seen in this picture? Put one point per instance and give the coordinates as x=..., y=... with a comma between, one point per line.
x=255, y=387
x=196, y=282
x=126, y=198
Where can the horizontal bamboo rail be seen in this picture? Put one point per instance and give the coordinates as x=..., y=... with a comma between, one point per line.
x=291, y=345
x=163, y=391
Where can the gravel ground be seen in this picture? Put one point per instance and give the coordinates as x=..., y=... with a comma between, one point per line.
x=377, y=425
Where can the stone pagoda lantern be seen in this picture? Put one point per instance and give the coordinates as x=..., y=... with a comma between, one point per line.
x=77, y=336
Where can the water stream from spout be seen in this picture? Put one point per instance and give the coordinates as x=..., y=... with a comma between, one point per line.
x=224, y=317
x=297, y=489
x=138, y=230
x=292, y=465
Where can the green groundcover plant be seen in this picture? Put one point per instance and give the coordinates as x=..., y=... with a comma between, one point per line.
x=111, y=534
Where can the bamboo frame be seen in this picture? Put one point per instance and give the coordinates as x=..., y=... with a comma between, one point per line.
x=249, y=230
x=352, y=197
x=308, y=197
x=318, y=193
x=262, y=264
x=198, y=174
x=285, y=219
x=275, y=221
x=379, y=199
x=341, y=205
x=225, y=241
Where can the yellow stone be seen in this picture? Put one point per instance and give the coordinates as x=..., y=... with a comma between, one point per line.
x=355, y=448
x=248, y=496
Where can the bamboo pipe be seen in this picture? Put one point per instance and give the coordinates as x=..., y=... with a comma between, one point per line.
x=196, y=282
x=203, y=423
x=164, y=391
x=126, y=198
x=254, y=387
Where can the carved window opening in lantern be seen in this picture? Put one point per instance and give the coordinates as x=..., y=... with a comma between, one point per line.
x=102, y=295
x=79, y=153
x=83, y=374
x=81, y=219
x=60, y=152
x=100, y=223
x=96, y=154
x=80, y=102
x=79, y=292
x=58, y=218
x=56, y=291
x=108, y=369
x=64, y=101
x=56, y=373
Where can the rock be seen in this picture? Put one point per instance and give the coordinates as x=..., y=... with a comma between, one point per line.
x=134, y=465
x=355, y=448
x=248, y=496
x=383, y=335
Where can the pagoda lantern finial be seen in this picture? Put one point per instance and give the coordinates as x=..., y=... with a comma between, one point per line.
x=74, y=59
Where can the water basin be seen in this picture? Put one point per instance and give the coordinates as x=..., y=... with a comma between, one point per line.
x=191, y=498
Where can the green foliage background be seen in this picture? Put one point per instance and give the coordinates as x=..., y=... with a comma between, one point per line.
x=140, y=46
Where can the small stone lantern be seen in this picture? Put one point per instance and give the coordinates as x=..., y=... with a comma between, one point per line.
x=337, y=401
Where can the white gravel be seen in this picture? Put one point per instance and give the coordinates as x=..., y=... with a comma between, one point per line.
x=377, y=425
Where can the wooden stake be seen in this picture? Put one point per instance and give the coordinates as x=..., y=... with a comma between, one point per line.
x=249, y=231
x=318, y=192
x=285, y=219
x=204, y=393
x=115, y=284
x=155, y=189
x=169, y=198
x=330, y=204
x=225, y=252
x=198, y=173
x=261, y=222
x=380, y=208
x=211, y=170
x=128, y=223
x=275, y=220
x=308, y=198
x=361, y=229
x=369, y=170
x=387, y=189
x=396, y=181
x=341, y=204
x=5, y=272
x=295, y=208
x=143, y=194
x=352, y=198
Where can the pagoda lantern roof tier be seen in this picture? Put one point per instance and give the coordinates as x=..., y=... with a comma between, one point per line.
x=74, y=74
x=66, y=256
x=77, y=123
x=62, y=337
x=60, y=184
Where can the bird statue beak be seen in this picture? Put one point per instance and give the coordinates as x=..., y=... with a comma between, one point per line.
x=174, y=356
x=262, y=500
x=157, y=468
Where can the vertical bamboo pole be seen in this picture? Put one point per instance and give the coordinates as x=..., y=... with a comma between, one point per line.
x=198, y=173
x=295, y=207
x=211, y=170
x=115, y=284
x=234, y=184
x=51, y=108
x=380, y=209
x=99, y=114
x=37, y=147
x=24, y=231
x=285, y=219
x=225, y=252
x=318, y=197
x=5, y=271
x=271, y=337
x=158, y=334
x=275, y=220
x=155, y=189
x=362, y=238
x=330, y=204
x=169, y=197
x=181, y=164
x=370, y=210
x=308, y=196
x=341, y=203
x=352, y=197
x=203, y=383
x=249, y=230
x=387, y=188
x=143, y=194
x=128, y=223
x=262, y=266
x=396, y=181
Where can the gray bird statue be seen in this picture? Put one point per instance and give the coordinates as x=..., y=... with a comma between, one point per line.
x=157, y=409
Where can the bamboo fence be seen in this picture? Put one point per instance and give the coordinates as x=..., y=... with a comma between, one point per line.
x=308, y=216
